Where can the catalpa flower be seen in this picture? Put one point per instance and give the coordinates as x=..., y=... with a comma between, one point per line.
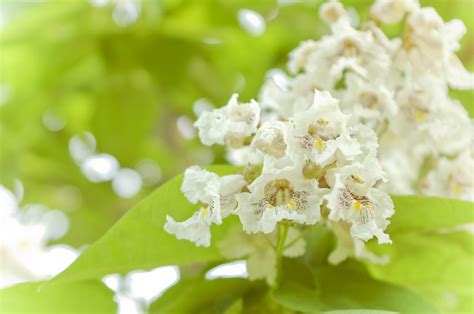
x=279, y=194
x=354, y=199
x=370, y=103
x=320, y=132
x=430, y=46
x=392, y=11
x=271, y=139
x=451, y=178
x=231, y=124
x=346, y=50
x=218, y=193
x=297, y=96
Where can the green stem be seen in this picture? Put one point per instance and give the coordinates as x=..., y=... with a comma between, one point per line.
x=282, y=240
x=282, y=235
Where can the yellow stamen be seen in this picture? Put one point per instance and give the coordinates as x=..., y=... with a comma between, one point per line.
x=292, y=204
x=319, y=144
x=420, y=116
x=357, y=179
x=357, y=206
x=457, y=188
x=205, y=211
x=271, y=206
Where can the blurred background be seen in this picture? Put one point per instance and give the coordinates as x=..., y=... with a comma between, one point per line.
x=97, y=98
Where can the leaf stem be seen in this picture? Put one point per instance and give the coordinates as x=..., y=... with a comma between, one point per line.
x=282, y=235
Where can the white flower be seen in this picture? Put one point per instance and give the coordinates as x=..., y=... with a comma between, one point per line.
x=347, y=246
x=449, y=132
x=24, y=237
x=196, y=229
x=430, y=46
x=391, y=46
x=214, y=191
x=243, y=156
x=458, y=77
x=442, y=125
x=451, y=178
x=209, y=188
x=271, y=139
x=354, y=199
x=370, y=103
x=230, y=124
x=321, y=131
x=333, y=12
x=279, y=194
x=400, y=167
x=392, y=11
x=20, y=245
x=296, y=97
x=346, y=50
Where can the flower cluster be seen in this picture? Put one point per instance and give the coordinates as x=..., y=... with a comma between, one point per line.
x=314, y=166
x=360, y=116
x=398, y=87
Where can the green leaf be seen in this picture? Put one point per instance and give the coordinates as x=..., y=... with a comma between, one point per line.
x=138, y=240
x=203, y=296
x=361, y=311
x=236, y=307
x=430, y=253
x=418, y=213
x=346, y=286
x=36, y=297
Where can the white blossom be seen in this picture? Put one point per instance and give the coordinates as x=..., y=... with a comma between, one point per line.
x=230, y=124
x=346, y=50
x=451, y=178
x=333, y=12
x=271, y=139
x=370, y=103
x=279, y=194
x=354, y=199
x=24, y=251
x=430, y=46
x=318, y=133
x=392, y=11
x=209, y=189
x=196, y=229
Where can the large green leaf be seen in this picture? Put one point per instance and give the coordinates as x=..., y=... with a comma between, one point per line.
x=362, y=311
x=138, y=240
x=418, y=214
x=201, y=296
x=346, y=286
x=430, y=252
x=36, y=297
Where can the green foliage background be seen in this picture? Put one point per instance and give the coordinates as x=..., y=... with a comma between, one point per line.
x=127, y=86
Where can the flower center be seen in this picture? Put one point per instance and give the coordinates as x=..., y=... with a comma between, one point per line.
x=361, y=205
x=279, y=192
x=350, y=49
x=319, y=132
x=368, y=100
